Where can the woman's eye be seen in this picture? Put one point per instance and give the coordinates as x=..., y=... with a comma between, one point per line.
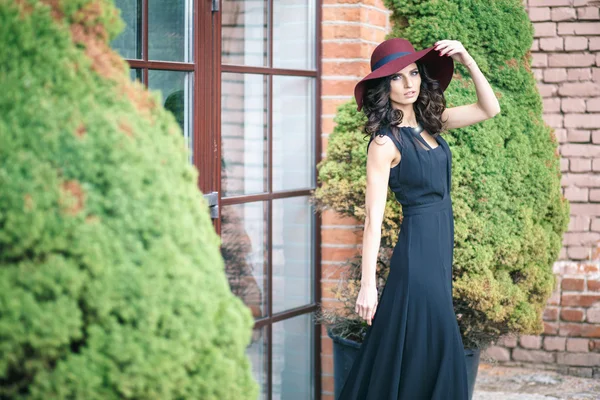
x=396, y=77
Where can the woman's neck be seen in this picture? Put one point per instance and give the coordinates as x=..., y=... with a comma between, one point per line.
x=409, y=117
x=410, y=122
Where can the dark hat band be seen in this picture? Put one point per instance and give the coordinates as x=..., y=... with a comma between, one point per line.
x=388, y=58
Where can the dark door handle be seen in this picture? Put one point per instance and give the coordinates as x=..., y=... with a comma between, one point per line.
x=213, y=204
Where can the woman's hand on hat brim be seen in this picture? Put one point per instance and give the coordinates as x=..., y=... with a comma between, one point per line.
x=454, y=49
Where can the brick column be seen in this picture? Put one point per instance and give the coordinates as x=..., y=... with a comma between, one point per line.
x=351, y=29
x=566, y=63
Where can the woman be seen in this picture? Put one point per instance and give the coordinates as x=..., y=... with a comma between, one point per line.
x=412, y=349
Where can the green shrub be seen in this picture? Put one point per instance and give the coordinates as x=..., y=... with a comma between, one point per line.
x=111, y=281
x=509, y=212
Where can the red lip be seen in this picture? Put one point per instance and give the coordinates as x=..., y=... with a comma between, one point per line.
x=411, y=92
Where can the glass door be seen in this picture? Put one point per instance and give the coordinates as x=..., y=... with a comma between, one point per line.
x=268, y=148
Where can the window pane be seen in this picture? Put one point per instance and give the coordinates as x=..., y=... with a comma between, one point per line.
x=294, y=34
x=244, y=247
x=176, y=89
x=244, y=32
x=170, y=30
x=293, y=132
x=293, y=358
x=135, y=74
x=243, y=134
x=129, y=42
x=257, y=352
x=293, y=249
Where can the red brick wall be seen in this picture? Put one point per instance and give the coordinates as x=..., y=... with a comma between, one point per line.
x=350, y=31
x=566, y=63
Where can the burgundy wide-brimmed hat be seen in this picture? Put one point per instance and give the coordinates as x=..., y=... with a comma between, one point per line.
x=395, y=54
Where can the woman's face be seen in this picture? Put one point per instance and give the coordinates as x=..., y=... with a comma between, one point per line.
x=405, y=85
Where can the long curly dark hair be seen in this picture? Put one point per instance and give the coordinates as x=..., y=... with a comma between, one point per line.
x=429, y=106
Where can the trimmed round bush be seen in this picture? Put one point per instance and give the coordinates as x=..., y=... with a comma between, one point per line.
x=509, y=211
x=111, y=281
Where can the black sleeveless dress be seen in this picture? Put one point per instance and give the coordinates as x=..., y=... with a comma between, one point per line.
x=413, y=349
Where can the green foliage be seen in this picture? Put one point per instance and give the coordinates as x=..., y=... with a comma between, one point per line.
x=111, y=281
x=509, y=212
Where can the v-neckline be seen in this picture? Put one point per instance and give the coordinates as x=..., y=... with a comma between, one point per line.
x=422, y=139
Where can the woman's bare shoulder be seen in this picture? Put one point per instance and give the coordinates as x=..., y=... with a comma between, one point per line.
x=384, y=151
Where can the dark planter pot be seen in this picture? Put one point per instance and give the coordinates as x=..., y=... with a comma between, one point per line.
x=345, y=351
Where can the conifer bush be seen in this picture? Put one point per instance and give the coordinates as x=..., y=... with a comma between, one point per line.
x=509, y=211
x=111, y=281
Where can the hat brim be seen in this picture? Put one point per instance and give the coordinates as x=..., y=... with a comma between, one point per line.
x=438, y=67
